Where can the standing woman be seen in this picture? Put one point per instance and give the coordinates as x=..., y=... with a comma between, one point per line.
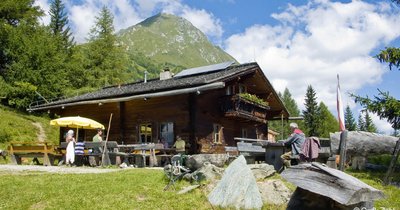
x=70, y=156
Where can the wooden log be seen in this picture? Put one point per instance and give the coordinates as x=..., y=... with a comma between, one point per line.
x=360, y=143
x=392, y=165
x=337, y=185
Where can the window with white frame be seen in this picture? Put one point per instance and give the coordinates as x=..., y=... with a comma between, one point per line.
x=230, y=90
x=244, y=133
x=145, y=133
x=242, y=88
x=217, y=134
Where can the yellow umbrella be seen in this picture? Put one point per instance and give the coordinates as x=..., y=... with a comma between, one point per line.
x=77, y=122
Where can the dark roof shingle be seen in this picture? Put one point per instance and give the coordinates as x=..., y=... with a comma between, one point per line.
x=153, y=86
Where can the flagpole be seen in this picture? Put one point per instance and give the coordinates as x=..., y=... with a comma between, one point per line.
x=340, y=107
x=342, y=128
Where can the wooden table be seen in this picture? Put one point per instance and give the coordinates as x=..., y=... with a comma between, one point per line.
x=273, y=152
x=140, y=152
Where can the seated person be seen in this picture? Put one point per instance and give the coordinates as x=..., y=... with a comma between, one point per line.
x=295, y=140
x=98, y=138
x=179, y=145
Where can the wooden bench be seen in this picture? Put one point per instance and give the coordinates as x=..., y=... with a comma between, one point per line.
x=44, y=150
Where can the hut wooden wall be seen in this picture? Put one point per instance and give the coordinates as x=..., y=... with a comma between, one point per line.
x=203, y=109
x=209, y=113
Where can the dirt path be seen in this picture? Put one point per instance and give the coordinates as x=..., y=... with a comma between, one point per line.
x=41, y=135
x=23, y=169
x=18, y=169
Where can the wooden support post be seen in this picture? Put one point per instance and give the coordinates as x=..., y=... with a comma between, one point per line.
x=46, y=160
x=342, y=149
x=393, y=162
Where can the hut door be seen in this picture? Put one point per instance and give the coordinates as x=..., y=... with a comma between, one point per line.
x=167, y=132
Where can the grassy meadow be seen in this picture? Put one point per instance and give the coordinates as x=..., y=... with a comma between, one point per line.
x=18, y=126
x=126, y=189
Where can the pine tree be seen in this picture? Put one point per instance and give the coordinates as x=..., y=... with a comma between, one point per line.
x=59, y=24
x=327, y=123
x=106, y=60
x=350, y=122
x=311, y=112
x=369, y=125
x=361, y=123
x=293, y=110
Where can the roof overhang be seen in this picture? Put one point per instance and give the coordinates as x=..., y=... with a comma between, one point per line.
x=198, y=90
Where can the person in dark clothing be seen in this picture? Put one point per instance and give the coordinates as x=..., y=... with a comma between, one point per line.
x=295, y=140
x=79, y=152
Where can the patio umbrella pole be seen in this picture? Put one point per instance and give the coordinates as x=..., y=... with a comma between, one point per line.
x=105, y=159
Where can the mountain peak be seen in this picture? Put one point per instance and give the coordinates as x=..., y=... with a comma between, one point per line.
x=166, y=38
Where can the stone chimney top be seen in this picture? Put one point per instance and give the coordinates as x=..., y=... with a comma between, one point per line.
x=165, y=74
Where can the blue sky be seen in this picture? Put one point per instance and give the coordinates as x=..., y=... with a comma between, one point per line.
x=296, y=43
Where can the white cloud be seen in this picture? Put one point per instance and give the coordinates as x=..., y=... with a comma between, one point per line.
x=204, y=21
x=382, y=125
x=44, y=4
x=315, y=42
x=127, y=13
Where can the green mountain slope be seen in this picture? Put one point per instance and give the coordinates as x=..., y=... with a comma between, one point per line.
x=22, y=127
x=170, y=41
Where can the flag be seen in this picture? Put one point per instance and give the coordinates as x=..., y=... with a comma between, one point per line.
x=340, y=107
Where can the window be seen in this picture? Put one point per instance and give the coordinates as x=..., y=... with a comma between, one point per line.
x=244, y=133
x=167, y=132
x=230, y=90
x=145, y=133
x=242, y=88
x=217, y=134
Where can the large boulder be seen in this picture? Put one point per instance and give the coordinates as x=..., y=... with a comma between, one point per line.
x=237, y=188
x=274, y=192
x=360, y=143
x=208, y=172
x=195, y=162
x=262, y=171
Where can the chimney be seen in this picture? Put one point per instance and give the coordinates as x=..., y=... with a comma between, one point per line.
x=145, y=76
x=165, y=74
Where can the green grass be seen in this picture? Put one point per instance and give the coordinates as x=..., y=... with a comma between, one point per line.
x=18, y=126
x=128, y=189
x=374, y=179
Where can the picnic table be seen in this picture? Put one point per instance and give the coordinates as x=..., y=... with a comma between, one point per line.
x=35, y=150
x=141, y=152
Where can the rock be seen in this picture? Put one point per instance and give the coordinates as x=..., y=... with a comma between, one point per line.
x=237, y=188
x=360, y=143
x=262, y=171
x=208, y=172
x=328, y=184
x=195, y=162
x=274, y=192
x=304, y=199
x=188, y=189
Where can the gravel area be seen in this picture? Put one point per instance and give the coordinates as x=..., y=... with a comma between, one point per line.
x=53, y=169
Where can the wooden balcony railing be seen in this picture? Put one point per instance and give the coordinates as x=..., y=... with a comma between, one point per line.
x=241, y=107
